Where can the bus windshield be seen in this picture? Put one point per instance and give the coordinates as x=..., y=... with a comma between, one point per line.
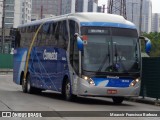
x=116, y=52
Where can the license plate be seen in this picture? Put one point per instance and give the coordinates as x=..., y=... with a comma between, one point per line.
x=112, y=91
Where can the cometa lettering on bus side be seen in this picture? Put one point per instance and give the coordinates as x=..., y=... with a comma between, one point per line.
x=49, y=55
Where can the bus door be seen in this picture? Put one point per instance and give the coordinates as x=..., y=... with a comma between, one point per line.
x=74, y=53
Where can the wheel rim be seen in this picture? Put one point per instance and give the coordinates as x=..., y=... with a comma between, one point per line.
x=67, y=90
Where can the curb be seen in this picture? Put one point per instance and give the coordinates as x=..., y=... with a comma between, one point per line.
x=150, y=101
x=5, y=71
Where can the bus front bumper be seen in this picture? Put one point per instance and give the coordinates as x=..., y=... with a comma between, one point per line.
x=84, y=89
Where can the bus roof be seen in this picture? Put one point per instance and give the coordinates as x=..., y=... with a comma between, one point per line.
x=101, y=19
x=88, y=17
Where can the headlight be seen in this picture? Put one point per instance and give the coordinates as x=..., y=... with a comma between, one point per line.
x=137, y=80
x=89, y=80
x=134, y=82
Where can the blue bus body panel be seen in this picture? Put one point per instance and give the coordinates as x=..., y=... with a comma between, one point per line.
x=47, y=67
x=19, y=63
x=108, y=24
x=112, y=82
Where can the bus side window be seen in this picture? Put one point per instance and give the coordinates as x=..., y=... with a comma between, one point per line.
x=56, y=35
x=51, y=39
x=35, y=28
x=39, y=37
x=45, y=34
x=29, y=35
x=23, y=32
x=74, y=59
x=61, y=34
x=64, y=35
x=27, y=39
x=48, y=32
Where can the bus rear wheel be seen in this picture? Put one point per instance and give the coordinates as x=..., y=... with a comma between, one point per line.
x=30, y=89
x=117, y=100
x=24, y=85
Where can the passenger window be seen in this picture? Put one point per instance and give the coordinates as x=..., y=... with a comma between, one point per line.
x=51, y=39
x=61, y=35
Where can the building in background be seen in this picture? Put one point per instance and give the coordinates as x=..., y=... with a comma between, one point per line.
x=81, y=6
x=92, y=5
x=117, y=7
x=72, y=6
x=147, y=16
x=133, y=13
x=68, y=6
x=156, y=22
x=45, y=8
x=16, y=12
x=9, y=13
x=25, y=10
x=100, y=9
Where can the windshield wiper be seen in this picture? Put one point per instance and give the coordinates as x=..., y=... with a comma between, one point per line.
x=118, y=61
x=116, y=53
x=105, y=59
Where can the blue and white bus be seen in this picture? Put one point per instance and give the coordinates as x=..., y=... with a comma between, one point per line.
x=80, y=54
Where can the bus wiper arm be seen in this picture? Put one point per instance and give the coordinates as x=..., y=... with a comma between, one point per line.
x=105, y=59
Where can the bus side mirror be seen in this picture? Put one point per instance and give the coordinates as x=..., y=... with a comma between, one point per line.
x=147, y=44
x=79, y=42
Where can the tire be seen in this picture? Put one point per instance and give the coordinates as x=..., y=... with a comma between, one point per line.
x=30, y=89
x=27, y=88
x=24, y=85
x=67, y=91
x=117, y=100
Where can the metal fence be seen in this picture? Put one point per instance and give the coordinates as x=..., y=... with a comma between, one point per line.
x=151, y=77
x=6, y=61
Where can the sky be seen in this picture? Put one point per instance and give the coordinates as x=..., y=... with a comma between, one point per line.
x=155, y=5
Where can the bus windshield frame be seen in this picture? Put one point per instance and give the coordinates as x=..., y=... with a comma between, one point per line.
x=112, y=50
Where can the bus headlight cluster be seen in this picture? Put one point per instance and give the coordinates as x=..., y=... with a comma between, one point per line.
x=133, y=83
x=89, y=80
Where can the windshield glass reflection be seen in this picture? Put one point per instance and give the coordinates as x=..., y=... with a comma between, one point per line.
x=118, y=52
x=95, y=52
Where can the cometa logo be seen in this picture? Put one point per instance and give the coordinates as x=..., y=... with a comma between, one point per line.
x=49, y=55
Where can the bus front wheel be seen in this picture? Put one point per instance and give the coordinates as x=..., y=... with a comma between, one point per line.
x=67, y=91
x=117, y=100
